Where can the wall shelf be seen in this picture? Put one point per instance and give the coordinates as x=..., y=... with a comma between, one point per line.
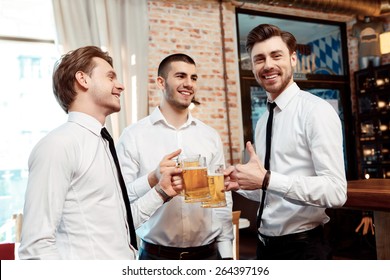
x=373, y=127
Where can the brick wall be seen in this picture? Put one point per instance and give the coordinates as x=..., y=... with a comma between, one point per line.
x=193, y=27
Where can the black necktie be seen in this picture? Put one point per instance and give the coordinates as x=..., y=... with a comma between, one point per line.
x=267, y=155
x=133, y=237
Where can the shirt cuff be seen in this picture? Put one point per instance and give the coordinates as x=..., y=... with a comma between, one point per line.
x=279, y=183
x=225, y=249
x=150, y=202
x=141, y=186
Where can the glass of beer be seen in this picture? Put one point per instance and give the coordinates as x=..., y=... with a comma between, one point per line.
x=195, y=183
x=216, y=186
x=177, y=160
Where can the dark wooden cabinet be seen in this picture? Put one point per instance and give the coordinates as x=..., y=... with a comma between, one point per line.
x=373, y=97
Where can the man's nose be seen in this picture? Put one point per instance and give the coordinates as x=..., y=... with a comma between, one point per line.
x=268, y=64
x=188, y=82
x=120, y=86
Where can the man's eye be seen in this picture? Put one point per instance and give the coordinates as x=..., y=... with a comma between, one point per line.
x=259, y=60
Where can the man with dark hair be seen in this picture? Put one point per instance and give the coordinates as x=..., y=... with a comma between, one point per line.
x=75, y=206
x=298, y=170
x=178, y=230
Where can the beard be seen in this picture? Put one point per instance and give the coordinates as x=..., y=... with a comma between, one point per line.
x=276, y=88
x=170, y=96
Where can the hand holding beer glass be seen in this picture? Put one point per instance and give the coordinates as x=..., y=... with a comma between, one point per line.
x=195, y=183
x=216, y=186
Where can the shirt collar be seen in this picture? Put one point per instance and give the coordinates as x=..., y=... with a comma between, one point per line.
x=86, y=121
x=156, y=116
x=285, y=97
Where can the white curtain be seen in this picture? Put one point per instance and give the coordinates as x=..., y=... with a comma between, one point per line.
x=121, y=28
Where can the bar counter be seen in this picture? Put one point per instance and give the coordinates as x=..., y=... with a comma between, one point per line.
x=373, y=195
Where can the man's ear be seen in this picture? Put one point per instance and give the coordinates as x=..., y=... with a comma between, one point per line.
x=82, y=79
x=294, y=59
x=160, y=81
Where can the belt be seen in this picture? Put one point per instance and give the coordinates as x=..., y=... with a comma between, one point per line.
x=176, y=253
x=288, y=238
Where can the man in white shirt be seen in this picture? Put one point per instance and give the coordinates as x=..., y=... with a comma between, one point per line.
x=74, y=207
x=178, y=230
x=306, y=168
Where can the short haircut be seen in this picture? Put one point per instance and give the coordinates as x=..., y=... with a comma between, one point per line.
x=65, y=69
x=163, y=68
x=263, y=32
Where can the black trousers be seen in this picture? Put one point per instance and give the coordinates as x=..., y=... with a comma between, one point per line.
x=148, y=251
x=299, y=246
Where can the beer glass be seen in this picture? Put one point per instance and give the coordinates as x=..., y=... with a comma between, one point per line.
x=195, y=183
x=216, y=186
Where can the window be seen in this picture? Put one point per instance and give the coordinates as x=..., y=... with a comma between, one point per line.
x=28, y=109
x=319, y=43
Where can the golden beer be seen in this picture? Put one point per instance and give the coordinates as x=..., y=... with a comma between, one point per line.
x=216, y=186
x=196, y=187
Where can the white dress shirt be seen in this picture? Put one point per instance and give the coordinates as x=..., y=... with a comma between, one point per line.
x=140, y=149
x=307, y=163
x=74, y=207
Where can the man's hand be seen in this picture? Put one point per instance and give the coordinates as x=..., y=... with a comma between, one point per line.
x=230, y=175
x=366, y=223
x=247, y=176
x=167, y=162
x=171, y=181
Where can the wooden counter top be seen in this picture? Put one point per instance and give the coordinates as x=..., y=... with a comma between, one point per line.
x=374, y=194
x=371, y=194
